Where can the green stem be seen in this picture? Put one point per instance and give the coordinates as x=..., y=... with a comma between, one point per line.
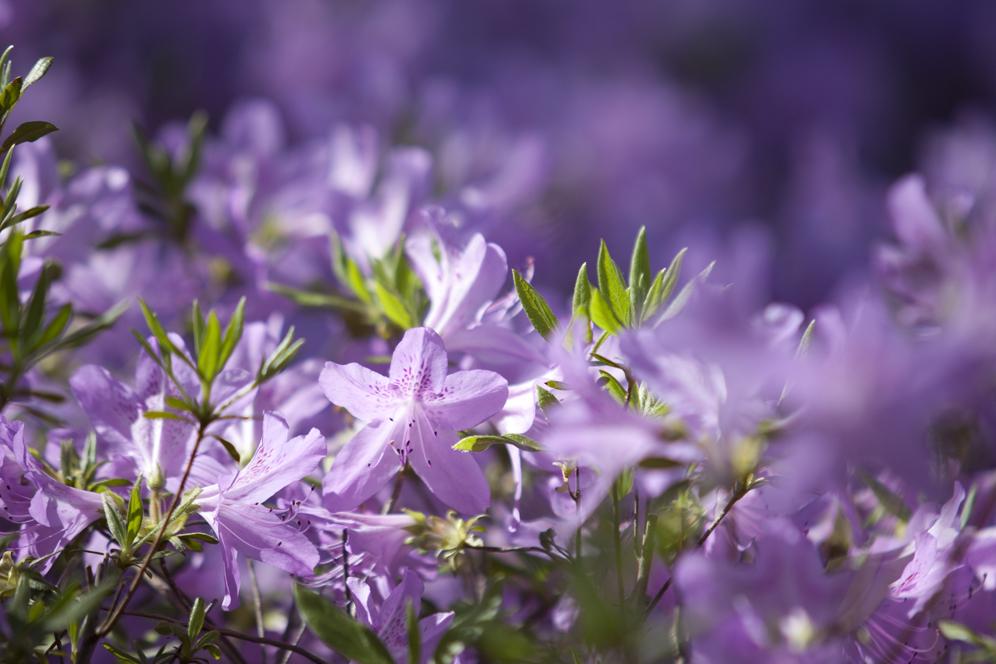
x=617, y=543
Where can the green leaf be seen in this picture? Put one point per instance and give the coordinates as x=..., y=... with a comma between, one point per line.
x=338, y=630
x=613, y=386
x=135, y=512
x=164, y=415
x=209, y=357
x=356, y=282
x=890, y=501
x=663, y=285
x=602, y=314
x=197, y=613
x=88, y=331
x=281, y=356
x=28, y=132
x=10, y=94
x=75, y=608
x=157, y=329
x=36, y=304
x=957, y=632
x=112, y=515
x=21, y=217
x=582, y=293
x=414, y=634
x=536, y=308
x=639, y=266
x=612, y=286
x=34, y=235
x=197, y=326
x=545, y=399
x=233, y=332
x=10, y=302
x=483, y=442
x=317, y=300
x=120, y=655
x=37, y=71
x=392, y=307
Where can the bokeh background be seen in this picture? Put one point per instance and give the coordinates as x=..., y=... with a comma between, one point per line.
x=763, y=131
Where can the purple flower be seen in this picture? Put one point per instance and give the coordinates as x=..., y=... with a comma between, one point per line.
x=779, y=606
x=234, y=508
x=388, y=617
x=460, y=281
x=415, y=412
x=158, y=447
x=49, y=513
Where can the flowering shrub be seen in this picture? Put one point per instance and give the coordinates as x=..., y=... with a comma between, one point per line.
x=276, y=401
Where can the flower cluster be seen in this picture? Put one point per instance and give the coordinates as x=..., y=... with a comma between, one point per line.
x=280, y=400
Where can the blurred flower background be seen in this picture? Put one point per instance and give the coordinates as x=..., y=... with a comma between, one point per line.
x=731, y=122
x=797, y=468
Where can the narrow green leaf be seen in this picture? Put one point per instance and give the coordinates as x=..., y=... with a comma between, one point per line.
x=356, y=282
x=602, y=314
x=414, y=634
x=612, y=286
x=135, y=512
x=86, y=332
x=164, y=415
x=582, y=293
x=77, y=608
x=37, y=71
x=9, y=95
x=25, y=215
x=392, y=307
x=197, y=613
x=663, y=285
x=28, y=132
x=233, y=332
x=112, y=515
x=536, y=308
x=32, y=320
x=338, y=630
x=197, y=325
x=157, y=329
x=209, y=357
x=318, y=300
x=639, y=266
x=55, y=326
x=545, y=399
x=483, y=442
x=613, y=386
x=890, y=501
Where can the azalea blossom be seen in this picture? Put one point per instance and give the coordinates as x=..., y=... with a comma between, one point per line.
x=411, y=417
x=234, y=508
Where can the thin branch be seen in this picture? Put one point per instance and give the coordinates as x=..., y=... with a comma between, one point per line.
x=257, y=602
x=116, y=612
x=290, y=647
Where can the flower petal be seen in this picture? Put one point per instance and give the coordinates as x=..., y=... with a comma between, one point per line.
x=277, y=462
x=419, y=362
x=454, y=477
x=362, y=466
x=110, y=405
x=367, y=395
x=257, y=533
x=469, y=397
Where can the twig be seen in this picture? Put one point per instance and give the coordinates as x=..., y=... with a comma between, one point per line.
x=257, y=602
x=115, y=614
x=235, y=635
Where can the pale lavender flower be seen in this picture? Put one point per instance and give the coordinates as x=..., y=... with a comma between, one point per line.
x=158, y=447
x=414, y=412
x=235, y=511
x=388, y=616
x=49, y=513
